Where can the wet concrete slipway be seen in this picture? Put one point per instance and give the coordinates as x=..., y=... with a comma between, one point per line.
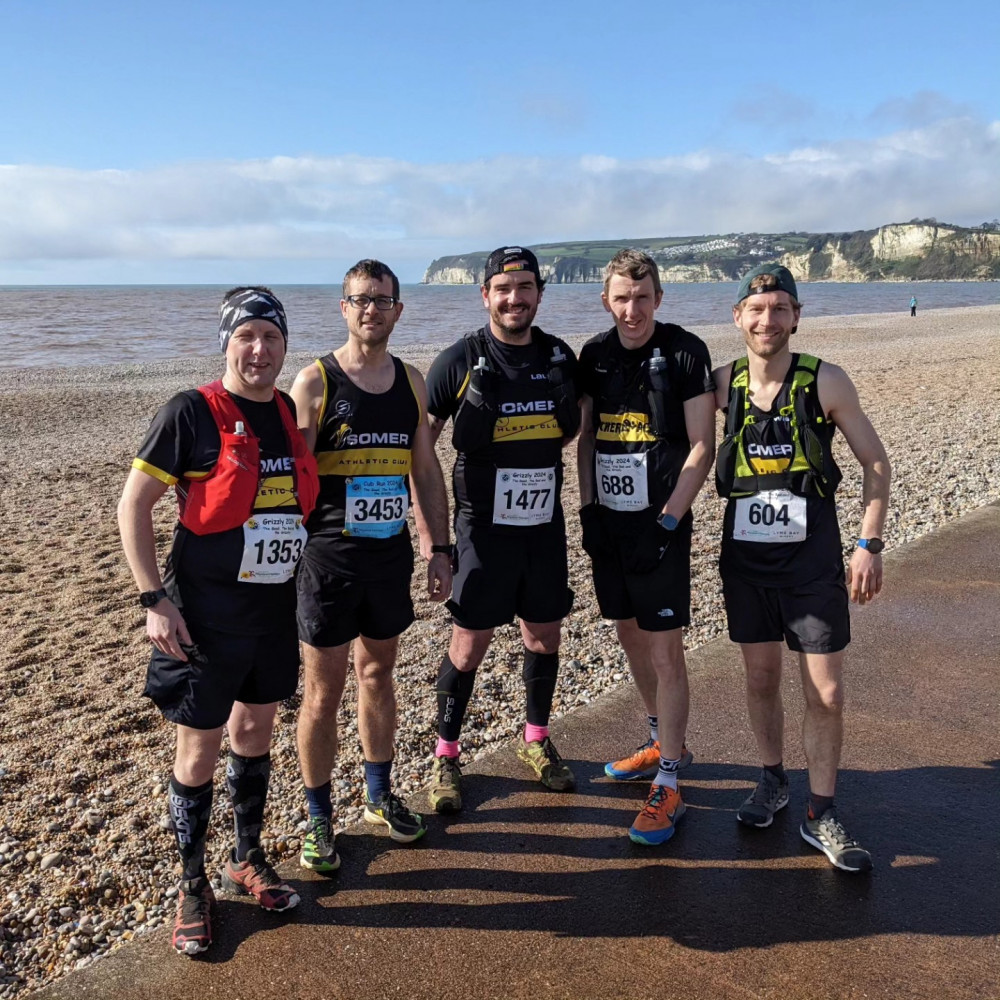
x=533, y=894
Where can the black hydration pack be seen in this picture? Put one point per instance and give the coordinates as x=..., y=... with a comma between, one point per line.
x=477, y=414
x=811, y=470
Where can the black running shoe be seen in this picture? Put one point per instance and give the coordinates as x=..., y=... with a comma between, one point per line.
x=770, y=795
x=827, y=834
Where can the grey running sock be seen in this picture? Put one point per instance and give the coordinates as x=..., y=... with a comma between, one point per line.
x=454, y=689
x=247, y=779
x=654, y=727
x=190, y=810
x=777, y=770
x=539, y=673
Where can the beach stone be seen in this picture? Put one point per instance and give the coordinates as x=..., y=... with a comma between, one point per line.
x=52, y=860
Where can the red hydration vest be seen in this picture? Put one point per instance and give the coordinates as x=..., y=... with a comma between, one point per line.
x=225, y=498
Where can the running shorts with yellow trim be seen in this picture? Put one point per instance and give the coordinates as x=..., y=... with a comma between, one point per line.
x=500, y=574
x=810, y=617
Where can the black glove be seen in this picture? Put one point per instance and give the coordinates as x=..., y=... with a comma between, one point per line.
x=649, y=549
x=594, y=538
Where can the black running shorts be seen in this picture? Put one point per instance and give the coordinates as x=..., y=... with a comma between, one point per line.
x=503, y=574
x=334, y=609
x=223, y=668
x=811, y=617
x=658, y=601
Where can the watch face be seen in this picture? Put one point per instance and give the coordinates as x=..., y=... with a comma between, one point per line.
x=875, y=546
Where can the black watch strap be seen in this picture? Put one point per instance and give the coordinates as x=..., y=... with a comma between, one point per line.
x=446, y=550
x=150, y=598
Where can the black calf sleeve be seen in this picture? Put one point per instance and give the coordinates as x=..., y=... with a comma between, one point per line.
x=247, y=779
x=190, y=810
x=454, y=689
x=539, y=673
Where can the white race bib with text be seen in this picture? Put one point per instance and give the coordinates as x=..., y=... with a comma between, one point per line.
x=524, y=497
x=272, y=545
x=770, y=516
x=622, y=481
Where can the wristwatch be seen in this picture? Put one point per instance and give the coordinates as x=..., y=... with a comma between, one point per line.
x=150, y=598
x=667, y=521
x=873, y=545
x=445, y=550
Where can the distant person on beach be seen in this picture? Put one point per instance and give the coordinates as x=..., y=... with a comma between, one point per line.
x=362, y=411
x=222, y=616
x=913, y=305
x=782, y=562
x=647, y=441
x=509, y=389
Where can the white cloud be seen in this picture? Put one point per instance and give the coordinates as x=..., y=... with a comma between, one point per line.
x=315, y=209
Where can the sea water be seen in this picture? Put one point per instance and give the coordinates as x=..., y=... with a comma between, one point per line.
x=63, y=325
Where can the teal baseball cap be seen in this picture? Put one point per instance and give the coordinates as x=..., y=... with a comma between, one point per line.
x=783, y=277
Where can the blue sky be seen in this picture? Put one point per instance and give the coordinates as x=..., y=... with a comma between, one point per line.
x=223, y=142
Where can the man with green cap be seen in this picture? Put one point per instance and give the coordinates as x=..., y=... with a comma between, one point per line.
x=781, y=559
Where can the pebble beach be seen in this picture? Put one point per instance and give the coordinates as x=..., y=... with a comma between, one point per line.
x=86, y=860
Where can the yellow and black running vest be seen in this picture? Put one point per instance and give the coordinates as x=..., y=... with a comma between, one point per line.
x=364, y=449
x=787, y=448
x=784, y=450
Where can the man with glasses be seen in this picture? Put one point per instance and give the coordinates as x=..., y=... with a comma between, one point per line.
x=362, y=411
x=509, y=389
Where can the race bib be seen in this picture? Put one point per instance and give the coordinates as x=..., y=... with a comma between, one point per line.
x=770, y=516
x=622, y=482
x=272, y=544
x=524, y=497
x=375, y=506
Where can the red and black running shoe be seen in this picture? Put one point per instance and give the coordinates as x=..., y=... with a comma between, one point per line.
x=193, y=922
x=255, y=877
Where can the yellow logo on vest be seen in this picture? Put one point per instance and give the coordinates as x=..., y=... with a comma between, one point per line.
x=624, y=427
x=768, y=458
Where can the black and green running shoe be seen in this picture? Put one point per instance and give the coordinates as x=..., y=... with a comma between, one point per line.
x=404, y=825
x=319, y=850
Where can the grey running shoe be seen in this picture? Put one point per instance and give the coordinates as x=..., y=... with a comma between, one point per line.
x=319, y=849
x=404, y=826
x=827, y=834
x=770, y=795
x=543, y=758
x=446, y=785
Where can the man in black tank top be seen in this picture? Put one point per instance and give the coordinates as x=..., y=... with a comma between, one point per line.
x=362, y=412
x=510, y=390
x=781, y=559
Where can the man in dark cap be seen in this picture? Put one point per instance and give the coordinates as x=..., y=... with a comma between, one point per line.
x=781, y=560
x=221, y=618
x=509, y=389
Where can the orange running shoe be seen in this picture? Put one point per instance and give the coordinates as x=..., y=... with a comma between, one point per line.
x=657, y=821
x=644, y=763
x=193, y=922
x=255, y=877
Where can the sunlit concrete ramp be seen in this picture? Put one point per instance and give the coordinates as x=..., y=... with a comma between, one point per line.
x=534, y=894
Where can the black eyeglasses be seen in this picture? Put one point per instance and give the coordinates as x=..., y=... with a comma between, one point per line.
x=382, y=302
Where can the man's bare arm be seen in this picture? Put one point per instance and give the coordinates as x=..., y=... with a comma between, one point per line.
x=164, y=624
x=307, y=392
x=430, y=508
x=699, y=422
x=840, y=400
